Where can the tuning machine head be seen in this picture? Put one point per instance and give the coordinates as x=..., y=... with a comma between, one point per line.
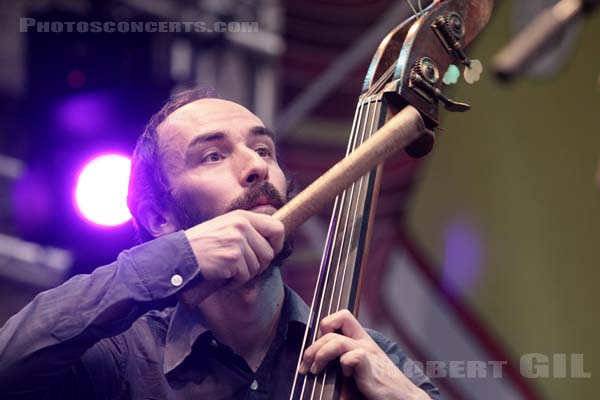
x=414, y=73
x=424, y=76
x=450, y=29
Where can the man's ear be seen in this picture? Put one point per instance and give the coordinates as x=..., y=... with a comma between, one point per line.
x=156, y=221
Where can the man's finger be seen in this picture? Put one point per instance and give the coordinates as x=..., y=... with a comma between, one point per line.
x=309, y=353
x=242, y=269
x=330, y=351
x=344, y=322
x=250, y=257
x=261, y=248
x=269, y=227
x=350, y=360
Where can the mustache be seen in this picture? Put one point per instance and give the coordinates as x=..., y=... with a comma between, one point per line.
x=264, y=190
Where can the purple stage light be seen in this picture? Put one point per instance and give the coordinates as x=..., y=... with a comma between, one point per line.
x=101, y=191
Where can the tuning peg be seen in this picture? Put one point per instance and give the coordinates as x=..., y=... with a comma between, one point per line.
x=451, y=76
x=473, y=72
x=450, y=29
x=424, y=75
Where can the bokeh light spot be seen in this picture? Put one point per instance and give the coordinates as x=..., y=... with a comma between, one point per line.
x=86, y=114
x=463, y=255
x=101, y=191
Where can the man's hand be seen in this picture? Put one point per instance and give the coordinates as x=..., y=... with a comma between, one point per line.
x=374, y=373
x=233, y=247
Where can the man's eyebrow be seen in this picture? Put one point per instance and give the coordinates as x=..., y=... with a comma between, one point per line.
x=217, y=136
x=207, y=137
x=262, y=131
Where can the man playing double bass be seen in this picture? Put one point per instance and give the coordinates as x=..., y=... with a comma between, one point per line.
x=205, y=181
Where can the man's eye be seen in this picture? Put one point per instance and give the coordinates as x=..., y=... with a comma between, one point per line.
x=211, y=157
x=263, y=152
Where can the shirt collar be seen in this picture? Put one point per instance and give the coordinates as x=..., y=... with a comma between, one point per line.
x=186, y=326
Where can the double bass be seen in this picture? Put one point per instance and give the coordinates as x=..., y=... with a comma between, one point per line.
x=397, y=110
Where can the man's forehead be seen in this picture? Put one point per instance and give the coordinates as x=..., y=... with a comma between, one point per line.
x=207, y=115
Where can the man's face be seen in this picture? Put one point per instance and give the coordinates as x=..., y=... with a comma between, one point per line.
x=217, y=156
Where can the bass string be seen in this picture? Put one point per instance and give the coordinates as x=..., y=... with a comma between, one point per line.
x=383, y=79
x=356, y=200
x=324, y=272
x=351, y=226
x=414, y=9
x=352, y=144
x=363, y=185
x=363, y=112
x=346, y=238
x=318, y=289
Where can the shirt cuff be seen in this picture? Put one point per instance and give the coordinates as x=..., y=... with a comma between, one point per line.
x=165, y=265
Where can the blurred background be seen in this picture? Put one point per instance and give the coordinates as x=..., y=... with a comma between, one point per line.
x=486, y=250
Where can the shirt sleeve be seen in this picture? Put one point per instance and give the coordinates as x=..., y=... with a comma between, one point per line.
x=41, y=346
x=405, y=364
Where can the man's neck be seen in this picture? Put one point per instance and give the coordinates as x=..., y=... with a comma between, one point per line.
x=246, y=319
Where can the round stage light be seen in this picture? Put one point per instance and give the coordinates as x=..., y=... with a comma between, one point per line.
x=101, y=191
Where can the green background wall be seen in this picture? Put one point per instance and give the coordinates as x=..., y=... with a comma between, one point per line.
x=520, y=168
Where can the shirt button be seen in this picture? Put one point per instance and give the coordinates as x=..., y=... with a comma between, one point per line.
x=176, y=280
x=254, y=385
x=214, y=343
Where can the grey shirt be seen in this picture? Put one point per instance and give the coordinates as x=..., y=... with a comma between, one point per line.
x=118, y=333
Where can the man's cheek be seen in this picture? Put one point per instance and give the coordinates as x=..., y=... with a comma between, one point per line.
x=282, y=185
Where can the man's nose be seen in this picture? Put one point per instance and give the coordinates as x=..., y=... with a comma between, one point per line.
x=253, y=168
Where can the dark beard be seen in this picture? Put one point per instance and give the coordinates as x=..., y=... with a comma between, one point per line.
x=188, y=214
